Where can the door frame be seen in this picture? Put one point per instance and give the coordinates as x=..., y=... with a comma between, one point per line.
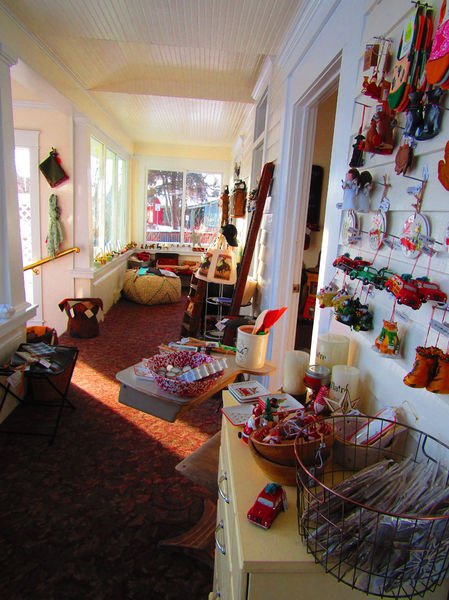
x=300, y=127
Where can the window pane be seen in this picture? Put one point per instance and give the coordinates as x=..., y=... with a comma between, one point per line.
x=96, y=182
x=110, y=199
x=202, y=210
x=22, y=158
x=163, y=206
x=121, y=201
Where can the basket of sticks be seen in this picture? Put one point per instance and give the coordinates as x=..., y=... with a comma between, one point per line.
x=378, y=520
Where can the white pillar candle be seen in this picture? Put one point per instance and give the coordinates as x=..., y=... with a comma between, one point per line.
x=344, y=377
x=295, y=365
x=332, y=349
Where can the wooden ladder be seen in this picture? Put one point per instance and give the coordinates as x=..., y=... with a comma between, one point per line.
x=191, y=322
x=262, y=192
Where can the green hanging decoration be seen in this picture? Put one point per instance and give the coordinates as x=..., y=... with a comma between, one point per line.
x=55, y=235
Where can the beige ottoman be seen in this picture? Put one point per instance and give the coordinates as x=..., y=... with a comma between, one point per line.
x=151, y=289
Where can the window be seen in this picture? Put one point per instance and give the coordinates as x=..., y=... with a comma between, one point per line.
x=182, y=207
x=109, y=197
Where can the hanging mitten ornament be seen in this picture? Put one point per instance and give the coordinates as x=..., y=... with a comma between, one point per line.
x=55, y=235
x=404, y=156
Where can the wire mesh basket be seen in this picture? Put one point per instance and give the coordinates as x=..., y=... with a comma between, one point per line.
x=373, y=508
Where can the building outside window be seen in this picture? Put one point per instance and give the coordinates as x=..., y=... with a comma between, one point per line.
x=182, y=207
x=109, y=198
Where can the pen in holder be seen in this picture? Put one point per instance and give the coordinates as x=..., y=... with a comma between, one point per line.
x=251, y=349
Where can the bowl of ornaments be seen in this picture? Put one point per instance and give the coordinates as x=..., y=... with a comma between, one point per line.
x=184, y=373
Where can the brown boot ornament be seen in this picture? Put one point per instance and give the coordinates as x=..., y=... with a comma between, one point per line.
x=424, y=368
x=440, y=382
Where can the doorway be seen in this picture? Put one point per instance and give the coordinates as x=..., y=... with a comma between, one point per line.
x=315, y=220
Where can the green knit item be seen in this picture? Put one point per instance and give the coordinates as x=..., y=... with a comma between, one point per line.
x=55, y=235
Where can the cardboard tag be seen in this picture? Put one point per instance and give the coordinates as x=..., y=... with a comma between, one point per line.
x=371, y=56
x=89, y=314
x=14, y=379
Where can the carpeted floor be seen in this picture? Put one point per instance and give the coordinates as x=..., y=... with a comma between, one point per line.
x=82, y=518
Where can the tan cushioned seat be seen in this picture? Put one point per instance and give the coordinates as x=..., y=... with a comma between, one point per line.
x=151, y=289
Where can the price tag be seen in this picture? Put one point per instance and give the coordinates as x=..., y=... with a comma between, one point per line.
x=14, y=379
x=402, y=316
x=442, y=328
x=89, y=314
x=384, y=206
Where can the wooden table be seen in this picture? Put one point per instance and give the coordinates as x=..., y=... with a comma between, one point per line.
x=148, y=397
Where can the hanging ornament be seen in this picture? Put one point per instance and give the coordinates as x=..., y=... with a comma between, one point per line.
x=443, y=168
x=378, y=230
x=387, y=342
x=350, y=229
x=415, y=225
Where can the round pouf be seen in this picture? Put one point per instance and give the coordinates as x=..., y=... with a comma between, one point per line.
x=151, y=289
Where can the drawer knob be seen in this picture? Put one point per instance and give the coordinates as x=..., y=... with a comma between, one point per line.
x=224, y=495
x=217, y=543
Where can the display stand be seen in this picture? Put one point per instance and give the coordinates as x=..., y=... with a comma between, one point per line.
x=43, y=382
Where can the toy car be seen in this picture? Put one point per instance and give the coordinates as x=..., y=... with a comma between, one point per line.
x=383, y=277
x=271, y=500
x=405, y=291
x=367, y=274
x=429, y=291
x=344, y=262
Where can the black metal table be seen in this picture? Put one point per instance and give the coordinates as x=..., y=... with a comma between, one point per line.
x=52, y=381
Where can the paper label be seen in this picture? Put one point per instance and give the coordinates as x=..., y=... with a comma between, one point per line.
x=14, y=379
x=442, y=328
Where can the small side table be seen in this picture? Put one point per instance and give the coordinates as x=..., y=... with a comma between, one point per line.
x=42, y=379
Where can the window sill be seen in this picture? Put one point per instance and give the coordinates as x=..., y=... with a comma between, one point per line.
x=98, y=271
x=18, y=319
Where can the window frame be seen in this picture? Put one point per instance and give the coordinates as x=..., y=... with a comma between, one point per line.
x=185, y=171
x=99, y=213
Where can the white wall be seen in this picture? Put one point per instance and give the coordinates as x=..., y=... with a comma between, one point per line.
x=330, y=52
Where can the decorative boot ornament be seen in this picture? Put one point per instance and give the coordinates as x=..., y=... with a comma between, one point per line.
x=424, y=367
x=439, y=384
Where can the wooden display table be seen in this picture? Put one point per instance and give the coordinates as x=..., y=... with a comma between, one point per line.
x=150, y=398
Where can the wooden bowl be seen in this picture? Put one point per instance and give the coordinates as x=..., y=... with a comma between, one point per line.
x=307, y=452
x=282, y=453
x=283, y=474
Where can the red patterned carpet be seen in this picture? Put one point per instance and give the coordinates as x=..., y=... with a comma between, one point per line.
x=82, y=518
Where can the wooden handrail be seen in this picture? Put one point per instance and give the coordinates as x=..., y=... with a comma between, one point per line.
x=42, y=261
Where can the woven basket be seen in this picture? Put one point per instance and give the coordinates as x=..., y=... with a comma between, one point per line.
x=151, y=289
x=181, y=359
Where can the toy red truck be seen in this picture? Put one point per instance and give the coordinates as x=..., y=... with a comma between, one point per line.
x=405, y=290
x=271, y=500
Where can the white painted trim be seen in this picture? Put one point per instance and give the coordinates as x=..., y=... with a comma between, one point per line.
x=263, y=79
x=32, y=105
x=19, y=319
x=294, y=178
x=307, y=25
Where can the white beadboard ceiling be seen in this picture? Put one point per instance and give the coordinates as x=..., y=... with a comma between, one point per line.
x=168, y=71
